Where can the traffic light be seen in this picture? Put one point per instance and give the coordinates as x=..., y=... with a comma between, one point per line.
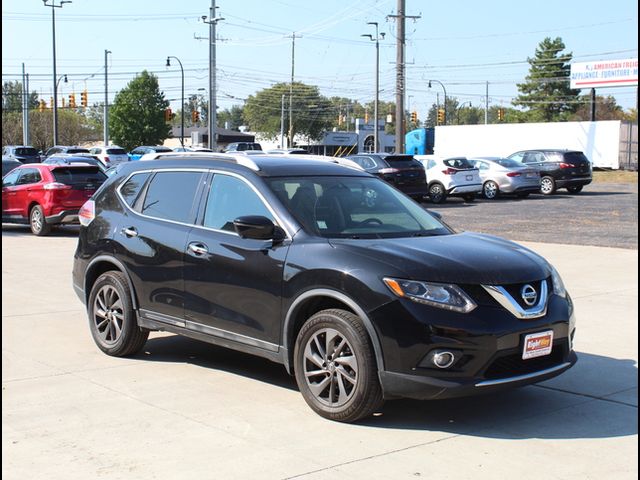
x=168, y=115
x=195, y=116
x=72, y=100
x=441, y=116
x=414, y=117
x=500, y=114
x=83, y=99
x=42, y=105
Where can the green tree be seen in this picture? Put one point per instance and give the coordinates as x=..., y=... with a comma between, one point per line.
x=137, y=114
x=12, y=97
x=606, y=109
x=546, y=95
x=233, y=116
x=311, y=110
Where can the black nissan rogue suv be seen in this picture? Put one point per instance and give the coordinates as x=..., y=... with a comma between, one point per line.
x=361, y=293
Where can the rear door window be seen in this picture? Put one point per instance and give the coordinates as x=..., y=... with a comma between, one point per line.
x=29, y=176
x=170, y=196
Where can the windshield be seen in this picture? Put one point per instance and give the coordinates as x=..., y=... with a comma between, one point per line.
x=354, y=207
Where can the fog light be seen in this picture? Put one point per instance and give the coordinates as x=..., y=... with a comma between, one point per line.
x=443, y=358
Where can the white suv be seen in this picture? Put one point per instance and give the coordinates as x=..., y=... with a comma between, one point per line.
x=111, y=155
x=456, y=177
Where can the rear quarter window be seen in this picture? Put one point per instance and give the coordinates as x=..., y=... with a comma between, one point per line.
x=131, y=189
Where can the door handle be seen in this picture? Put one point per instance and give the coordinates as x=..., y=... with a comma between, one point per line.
x=129, y=232
x=198, y=249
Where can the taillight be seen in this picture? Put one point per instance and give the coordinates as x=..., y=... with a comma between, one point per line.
x=106, y=160
x=450, y=171
x=388, y=170
x=513, y=174
x=56, y=186
x=566, y=165
x=87, y=213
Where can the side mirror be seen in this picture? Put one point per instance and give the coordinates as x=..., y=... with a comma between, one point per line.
x=257, y=227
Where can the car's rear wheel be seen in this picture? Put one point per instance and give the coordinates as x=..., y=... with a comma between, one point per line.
x=575, y=189
x=38, y=222
x=437, y=193
x=547, y=185
x=112, y=319
x=335, y=366
x=490, y=190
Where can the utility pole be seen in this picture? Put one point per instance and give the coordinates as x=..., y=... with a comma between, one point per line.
x=282, y=122
x=375, y=108
x=25, y=107
x=293, y=59
x=105, y=128
x=400, y=78
x=212, y=21
x=486, y=105
x=593, y=104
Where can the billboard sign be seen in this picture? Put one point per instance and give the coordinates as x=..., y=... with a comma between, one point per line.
x=605, y=73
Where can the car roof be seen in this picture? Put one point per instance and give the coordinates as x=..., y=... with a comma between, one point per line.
x=262, y=165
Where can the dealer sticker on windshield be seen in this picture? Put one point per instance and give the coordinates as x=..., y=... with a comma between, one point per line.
x=537, y=344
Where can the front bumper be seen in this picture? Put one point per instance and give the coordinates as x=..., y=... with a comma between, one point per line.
x=487, y=342
x=398, y=385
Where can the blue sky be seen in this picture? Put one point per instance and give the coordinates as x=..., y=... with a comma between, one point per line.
x=462, y=44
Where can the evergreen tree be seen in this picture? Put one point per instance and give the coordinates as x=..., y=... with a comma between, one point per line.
x=137, y=114
x=546, y=94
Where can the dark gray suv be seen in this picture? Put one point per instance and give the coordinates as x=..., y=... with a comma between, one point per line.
x=569, y=169
x=22, y=153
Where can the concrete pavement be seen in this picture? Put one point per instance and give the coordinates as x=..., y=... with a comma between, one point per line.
x=185, y=409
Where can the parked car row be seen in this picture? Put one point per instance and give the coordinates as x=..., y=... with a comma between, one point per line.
x=520, y=174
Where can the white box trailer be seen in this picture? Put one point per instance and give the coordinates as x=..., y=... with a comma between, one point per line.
x=608, y=144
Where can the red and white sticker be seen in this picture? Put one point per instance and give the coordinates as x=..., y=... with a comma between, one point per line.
x=537, y=344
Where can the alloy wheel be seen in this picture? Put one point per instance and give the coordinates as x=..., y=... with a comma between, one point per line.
x=108, y=314
x=330, y=367
x=36, y=220
x=490, y=190
x=546, y=186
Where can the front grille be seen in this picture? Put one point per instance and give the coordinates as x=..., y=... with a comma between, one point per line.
x=511, y=365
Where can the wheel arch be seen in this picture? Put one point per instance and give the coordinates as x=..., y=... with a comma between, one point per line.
x=100, y=265
x=313, y=301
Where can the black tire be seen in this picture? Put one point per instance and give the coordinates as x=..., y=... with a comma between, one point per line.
x=112, y=319
x=469, y=198
x=490, y=190
x=547, y=185
x=37, y=222
x=522, y=195
x=576, y=189
x=437, y=193
x=346, y=385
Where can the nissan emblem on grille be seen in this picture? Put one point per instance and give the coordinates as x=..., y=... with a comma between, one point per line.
x=529, y=295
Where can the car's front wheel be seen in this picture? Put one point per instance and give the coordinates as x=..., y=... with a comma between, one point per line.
x=38, y=222
x=547, y=185
x=335, y=366
x=112, y=319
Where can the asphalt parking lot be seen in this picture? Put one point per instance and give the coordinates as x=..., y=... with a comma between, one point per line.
x=185, y=409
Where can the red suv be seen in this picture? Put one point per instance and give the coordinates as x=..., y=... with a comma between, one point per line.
x=46, y=195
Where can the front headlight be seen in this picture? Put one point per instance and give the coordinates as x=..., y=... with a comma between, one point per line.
x=558, y=285
x=441, y=295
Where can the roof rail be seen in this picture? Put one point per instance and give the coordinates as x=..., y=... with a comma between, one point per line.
x=238, y=159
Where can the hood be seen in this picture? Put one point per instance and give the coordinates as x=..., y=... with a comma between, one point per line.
x=464, y=258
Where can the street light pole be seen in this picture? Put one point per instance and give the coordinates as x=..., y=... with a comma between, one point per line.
x=182, y=106
x=55, y=84
x=460, y=108
x=375, y=105
x=445, y=98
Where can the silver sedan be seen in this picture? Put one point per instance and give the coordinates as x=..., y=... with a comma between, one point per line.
x=506, y=176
